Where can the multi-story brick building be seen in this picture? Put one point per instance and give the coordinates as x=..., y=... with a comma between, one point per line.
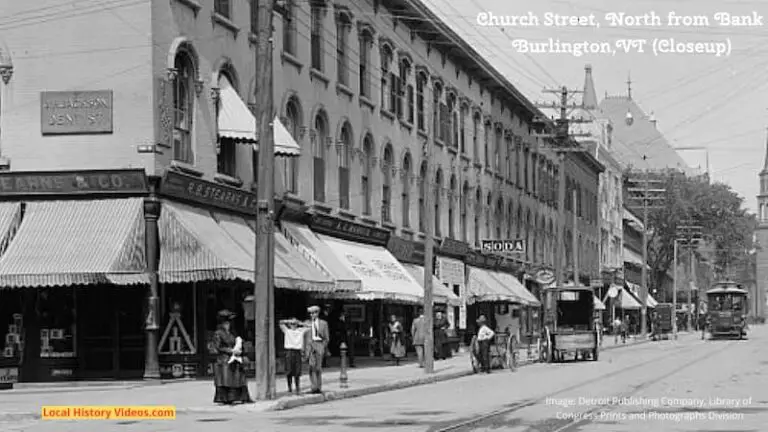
x=164, y=88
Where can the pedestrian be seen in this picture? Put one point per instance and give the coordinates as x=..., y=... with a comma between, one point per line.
x=418, y=333
x=316, y=347
x=348, y=338
x=440, y=338
x=228, y=377
x=484, y=338
x=616, y=330
x=396, y=342
x=625, y=325
x=293, y=332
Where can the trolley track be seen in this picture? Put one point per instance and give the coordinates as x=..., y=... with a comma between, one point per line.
x=579, y=420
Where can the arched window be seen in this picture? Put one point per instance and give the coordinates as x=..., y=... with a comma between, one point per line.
x=519, y=220
x=404, y=76
x=388, y=86
x=462, y=129
x=488, y=132
x=464, y=209
x=452, y=208
x=497, y=149
x=183, y=107
x=452, y=121
x=489, y=218
x=343, y=27
x=510, y=220
x=386, y=189
x=509, y=155
x=319, y=138
x=317, y=10
x=344, y=149
x=423, y=180
x=227, y=148
x=367, y=165
x=289, y=27
x=406, y=194
x=528, y=228
x=476, y=121
x=499, y=217
x=438, y=188
x=290, y=164
x=421, y=85
x=519, y=165
x=364, y=63
x=437, y=112
x=526, y=169
x=478, y=210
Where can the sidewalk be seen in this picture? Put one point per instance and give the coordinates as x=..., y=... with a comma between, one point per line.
x=195, y=396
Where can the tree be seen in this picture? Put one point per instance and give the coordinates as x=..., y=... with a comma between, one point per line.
x=727, y=227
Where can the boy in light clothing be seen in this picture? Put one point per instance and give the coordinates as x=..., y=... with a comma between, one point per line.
x=293, y=332
x=484, y=338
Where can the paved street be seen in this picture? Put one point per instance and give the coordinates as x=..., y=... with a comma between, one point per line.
x=685, y=371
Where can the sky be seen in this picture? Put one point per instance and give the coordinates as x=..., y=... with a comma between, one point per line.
x=698, y=99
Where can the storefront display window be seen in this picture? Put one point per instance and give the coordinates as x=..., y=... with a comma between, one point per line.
x=11, y=326
x=56, y=316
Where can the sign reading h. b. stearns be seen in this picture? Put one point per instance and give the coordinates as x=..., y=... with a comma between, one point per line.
x=76, y=112
x=504, y=246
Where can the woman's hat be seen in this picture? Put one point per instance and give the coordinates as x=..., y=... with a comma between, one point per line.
x=481, y=320
x=226, y=314
x=313, y=309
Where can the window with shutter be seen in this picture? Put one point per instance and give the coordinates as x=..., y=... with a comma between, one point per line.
x=393, y=82
x=400, y=98
x=410, y=104
x=444, y=136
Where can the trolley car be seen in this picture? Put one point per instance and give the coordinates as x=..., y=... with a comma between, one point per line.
x=726, y=311
x=571, y=328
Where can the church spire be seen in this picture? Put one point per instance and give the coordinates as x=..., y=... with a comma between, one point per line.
x=589, y=100
x=765, y=164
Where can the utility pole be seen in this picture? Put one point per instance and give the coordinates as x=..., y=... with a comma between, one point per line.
x=264, y=287
x=429, y=245
x=650, y=198
x=674, y=289
x=575, y=240
x=688, y=234
x=564, y=142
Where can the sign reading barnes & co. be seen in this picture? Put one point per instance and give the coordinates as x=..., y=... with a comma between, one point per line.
x=76, y=112
x=190, y=188
x=106, y=182
x=349, y=230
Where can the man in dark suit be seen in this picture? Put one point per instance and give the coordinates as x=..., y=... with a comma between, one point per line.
x=316, y=345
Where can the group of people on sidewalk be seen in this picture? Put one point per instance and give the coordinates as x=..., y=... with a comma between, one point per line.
x=440, y=337
x=304, y=341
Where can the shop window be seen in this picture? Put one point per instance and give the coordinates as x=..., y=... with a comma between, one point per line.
x=56, y=316
x=11, y=325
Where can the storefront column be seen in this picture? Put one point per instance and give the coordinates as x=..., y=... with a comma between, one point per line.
x=152, y=250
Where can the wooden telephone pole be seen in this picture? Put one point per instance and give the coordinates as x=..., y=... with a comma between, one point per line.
x=564, y=142
x=643, y=195
x=264, y=287
x=429, y=245
x=688, y=235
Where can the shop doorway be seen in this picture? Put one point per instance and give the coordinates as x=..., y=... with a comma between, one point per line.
x=111, y=323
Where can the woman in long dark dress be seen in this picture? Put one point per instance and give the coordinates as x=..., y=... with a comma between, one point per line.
x=440, y=338
x=228, y=376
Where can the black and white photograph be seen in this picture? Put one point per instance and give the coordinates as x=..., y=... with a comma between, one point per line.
x=383, y=215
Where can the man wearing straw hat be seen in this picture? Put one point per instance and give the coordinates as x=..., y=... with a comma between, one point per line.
x=316, y=340
x=484, y=337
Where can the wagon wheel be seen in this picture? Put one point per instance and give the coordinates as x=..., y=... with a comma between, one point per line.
x=473, y=360
x=511, y=362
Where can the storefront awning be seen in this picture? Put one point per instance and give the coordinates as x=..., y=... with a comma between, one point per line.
x=483, y=287
x=627, y=301
x=292, y=271
x=193, y=247
x=317, y=253
x=441, y=293
x=513, y=284
x=598, y=304
x=381, y=274
x=63, y=243
x=651, y=302
x=633, y=258
x=237, y=122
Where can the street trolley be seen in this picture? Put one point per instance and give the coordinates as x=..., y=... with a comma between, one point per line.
x=503, y=352
x=726, y=311
x=570, y=329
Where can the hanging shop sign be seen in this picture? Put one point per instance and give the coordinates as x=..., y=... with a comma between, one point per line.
x=453, y=248
x=189, y=188
x=47, y=183
x=544, y=277
x=503, y=246
x=478, y=259
x=76, y=112
x=348, y=230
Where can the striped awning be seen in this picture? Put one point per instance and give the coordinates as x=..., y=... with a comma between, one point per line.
x=381, y=275
x=442, y=294
x=628, y=301
x=598, y=304
x=292, y=271
x=634, y=258
x=513, y=284
x=194, y=247
x=316, y=252
x=63, y=243
x=483, y=287
x=238, y=123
